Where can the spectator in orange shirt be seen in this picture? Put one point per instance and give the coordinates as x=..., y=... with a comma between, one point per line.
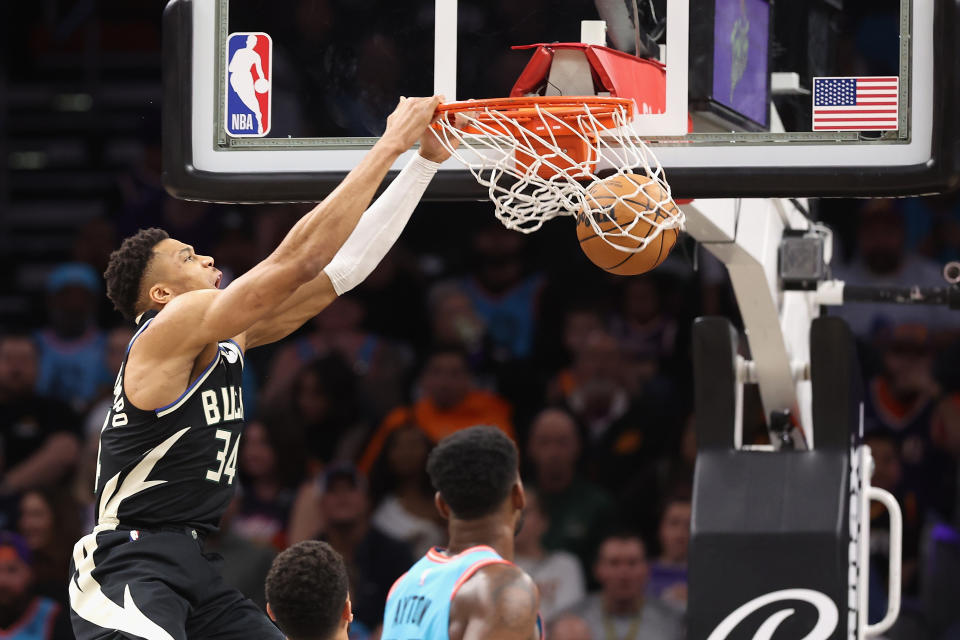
x=449, y=401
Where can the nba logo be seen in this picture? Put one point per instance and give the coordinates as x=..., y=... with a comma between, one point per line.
x=249, y=76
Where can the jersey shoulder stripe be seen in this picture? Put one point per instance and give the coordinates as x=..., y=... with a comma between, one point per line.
x=176, y=404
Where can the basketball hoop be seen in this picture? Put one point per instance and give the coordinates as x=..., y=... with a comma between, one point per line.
x=538, y=158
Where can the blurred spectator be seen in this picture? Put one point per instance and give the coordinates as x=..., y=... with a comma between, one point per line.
x=23, y=614
x=374, y=560
x=641, y=499
x=945, y=430
x=323, y=404
x=900, y=401
x=677, y=472
x=396, y=284
x=245, y=563
x=644, y=331
x=360, y=108
x=900, y=396
x=380, y=365
x=39, y=434
x=579, y=323
x=888, y=475
x=593, y=388
x=94, y=243
x=449, y=401
x=115, y=349
x=402, y=492
x=882, y=260
x=72, y=367
x=86, y=473
x=933, y=226
x=941, y=582
x=235, y=248
x=668, y=573
x=502, y=295
x=621, y=609
x=624, y=433
x=85, y=476
x=558, y=574
x=50, y=523
x=577, y=510
x=569, y=627
x=139, y=189
x=271, y=466
x=454, y=321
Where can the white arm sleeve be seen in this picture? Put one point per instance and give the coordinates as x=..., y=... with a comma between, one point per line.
x=380, y=226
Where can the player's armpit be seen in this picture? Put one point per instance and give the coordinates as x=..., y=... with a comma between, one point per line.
x=500, y=601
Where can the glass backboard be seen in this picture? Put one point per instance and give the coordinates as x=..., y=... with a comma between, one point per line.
x=276, y=101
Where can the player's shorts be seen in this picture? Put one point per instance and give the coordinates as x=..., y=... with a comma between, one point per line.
x=159, y=585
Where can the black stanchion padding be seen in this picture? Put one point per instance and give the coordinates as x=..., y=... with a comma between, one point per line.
x=764, y=523
x=837, y=383
x=715, y=382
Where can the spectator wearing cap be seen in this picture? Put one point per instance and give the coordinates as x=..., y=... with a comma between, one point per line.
x=374, y=560
x=72, y=346
x=39, y=434
x=24, y=615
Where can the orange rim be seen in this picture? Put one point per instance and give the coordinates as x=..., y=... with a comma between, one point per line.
x=567, y=108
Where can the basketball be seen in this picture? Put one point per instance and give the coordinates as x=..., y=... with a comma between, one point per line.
x=622, y=198
x=262, y=85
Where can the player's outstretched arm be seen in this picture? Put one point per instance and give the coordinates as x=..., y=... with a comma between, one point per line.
x=198, y=318
x=500, y=601
x=375, y=233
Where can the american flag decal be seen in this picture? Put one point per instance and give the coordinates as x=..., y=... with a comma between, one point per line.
x=856, y=104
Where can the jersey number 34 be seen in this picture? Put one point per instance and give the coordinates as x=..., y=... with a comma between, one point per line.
x=227, y=466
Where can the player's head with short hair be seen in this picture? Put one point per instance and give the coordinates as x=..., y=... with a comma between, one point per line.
x=150, y=269
x=475, y=472
x=307, y=592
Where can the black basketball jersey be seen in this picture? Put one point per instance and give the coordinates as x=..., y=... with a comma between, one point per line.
x=175, y=465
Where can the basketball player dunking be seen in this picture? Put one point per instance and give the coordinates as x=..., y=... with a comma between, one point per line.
x=168, y=448
x=471, y=590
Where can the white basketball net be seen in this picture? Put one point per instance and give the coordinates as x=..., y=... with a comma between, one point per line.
x=524, y=199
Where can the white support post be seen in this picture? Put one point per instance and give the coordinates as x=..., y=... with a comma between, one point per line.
x=745, y=235
x=445, y=49
x=673, y=122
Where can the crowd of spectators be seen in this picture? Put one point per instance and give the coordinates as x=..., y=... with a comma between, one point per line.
x=589, y=374
x=467, y=323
